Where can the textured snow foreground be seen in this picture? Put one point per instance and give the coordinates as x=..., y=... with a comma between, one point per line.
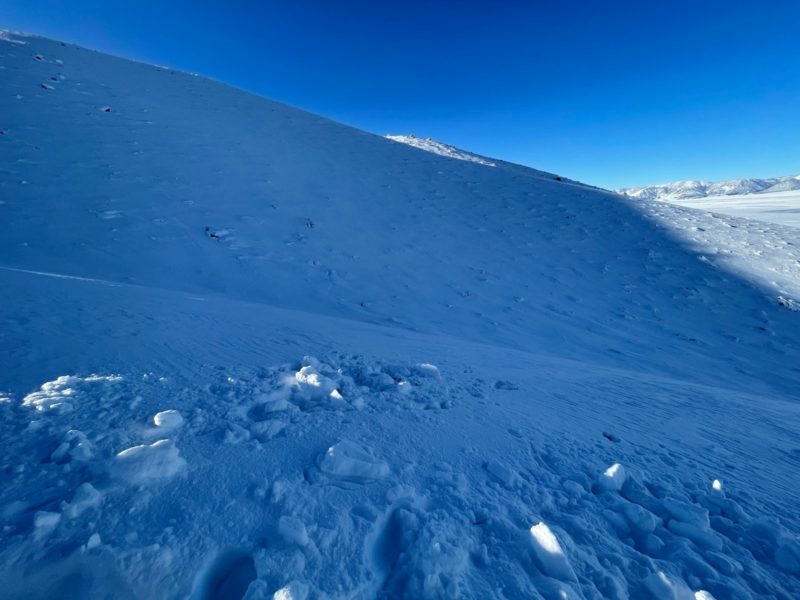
x=251, y=353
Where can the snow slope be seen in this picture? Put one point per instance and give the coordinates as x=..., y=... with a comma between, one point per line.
x=249, y=352
x=685, y=190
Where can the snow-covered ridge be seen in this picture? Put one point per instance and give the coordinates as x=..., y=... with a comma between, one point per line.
x=680, y=190
x=439, y=148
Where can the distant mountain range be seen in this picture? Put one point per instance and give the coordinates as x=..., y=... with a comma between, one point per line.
x=684, y=190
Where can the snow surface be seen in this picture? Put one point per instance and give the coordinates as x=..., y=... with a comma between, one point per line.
x=781, y=208
x=431, y=145
x=248, y=352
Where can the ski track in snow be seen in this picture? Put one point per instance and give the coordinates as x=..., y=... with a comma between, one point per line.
x=571, y=396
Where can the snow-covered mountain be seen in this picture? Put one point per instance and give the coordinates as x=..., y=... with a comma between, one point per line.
x=684, y=190
x=248, y=352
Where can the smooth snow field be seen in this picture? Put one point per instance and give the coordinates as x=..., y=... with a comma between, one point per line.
x=248, y=352
x=782, y=208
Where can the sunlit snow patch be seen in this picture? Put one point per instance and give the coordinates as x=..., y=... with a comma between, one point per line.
x=55, y=395
x=439, y=148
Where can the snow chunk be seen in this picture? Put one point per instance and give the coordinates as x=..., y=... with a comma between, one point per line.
x=316, y=384
x=75, y=446
x=293, y=591
x=293, y=531
x=266, y=430
x=613, y=478
x=168, y=420
x=58, y=395
x=639, y=518
x=505, y=475
x=428, y=370
x=550, y=556
x=664, y=588
x=787, y=555
x=687, y=513
x=350, y=462
x=146, y=464
x=86, y=497
x=700, y=536
x=94, y=541
x=44, y=523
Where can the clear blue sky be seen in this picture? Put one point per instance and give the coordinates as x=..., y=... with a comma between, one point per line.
x=611, y=92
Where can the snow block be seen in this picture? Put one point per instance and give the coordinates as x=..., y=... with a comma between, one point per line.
x=86, y=497
x=612, y=478
x=348, y=461
x=549, y=554
x=168, y=420
x=293, y=531
x=147, y=464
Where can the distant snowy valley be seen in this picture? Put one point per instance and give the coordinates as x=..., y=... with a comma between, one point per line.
x=248, y=352
x=775, y=200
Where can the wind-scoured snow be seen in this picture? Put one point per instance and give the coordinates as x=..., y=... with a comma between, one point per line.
x=248, y=352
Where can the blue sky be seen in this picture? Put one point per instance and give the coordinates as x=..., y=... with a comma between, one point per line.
x=611, y=92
